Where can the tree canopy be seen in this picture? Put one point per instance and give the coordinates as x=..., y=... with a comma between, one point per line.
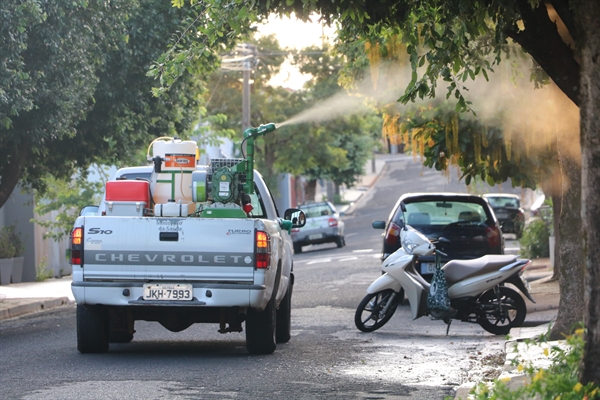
x=74, y=90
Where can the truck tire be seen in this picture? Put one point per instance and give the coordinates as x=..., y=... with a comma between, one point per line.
x=284, y=317
x=92, y=329
x=260, y=329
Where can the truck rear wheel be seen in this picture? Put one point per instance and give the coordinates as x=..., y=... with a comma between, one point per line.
x=260, y=329
x=92, y=329
x=284, y=318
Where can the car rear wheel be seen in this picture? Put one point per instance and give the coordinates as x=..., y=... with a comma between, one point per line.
x=498, y=314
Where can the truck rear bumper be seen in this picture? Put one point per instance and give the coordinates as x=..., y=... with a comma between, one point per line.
x=205, y=295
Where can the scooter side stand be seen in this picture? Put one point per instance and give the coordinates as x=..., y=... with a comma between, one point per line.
x=444, y=315
x=448, y=322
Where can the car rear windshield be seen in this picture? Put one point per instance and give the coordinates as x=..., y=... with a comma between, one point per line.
x=444, y=213
x=316, y=210
x=497, y=202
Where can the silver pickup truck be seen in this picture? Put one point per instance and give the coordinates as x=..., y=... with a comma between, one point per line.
x=177, y=271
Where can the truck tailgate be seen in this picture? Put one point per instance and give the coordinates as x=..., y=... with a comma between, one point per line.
x=168, y=249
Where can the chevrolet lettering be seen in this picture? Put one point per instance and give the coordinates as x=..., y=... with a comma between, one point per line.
x=163, y=258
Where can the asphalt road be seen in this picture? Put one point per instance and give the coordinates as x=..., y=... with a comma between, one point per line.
x=327, y=357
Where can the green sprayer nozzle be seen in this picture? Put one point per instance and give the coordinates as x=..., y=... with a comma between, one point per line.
x=260, y=131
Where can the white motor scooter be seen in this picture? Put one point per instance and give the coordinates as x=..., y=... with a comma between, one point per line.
x=476, y=288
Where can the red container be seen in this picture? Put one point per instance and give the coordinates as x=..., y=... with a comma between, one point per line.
x=128, y=190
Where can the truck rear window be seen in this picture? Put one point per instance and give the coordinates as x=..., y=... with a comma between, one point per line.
x=257, y=205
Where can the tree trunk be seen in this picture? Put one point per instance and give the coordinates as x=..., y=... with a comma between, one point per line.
x=557, y=202
x=588, y=12
x=569, y=255
x=553, y=188
x=12, y=175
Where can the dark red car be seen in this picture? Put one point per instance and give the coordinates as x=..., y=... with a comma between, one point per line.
x=509, y=213
x=466, y=221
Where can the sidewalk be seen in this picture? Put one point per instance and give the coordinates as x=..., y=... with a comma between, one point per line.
x=28, y=297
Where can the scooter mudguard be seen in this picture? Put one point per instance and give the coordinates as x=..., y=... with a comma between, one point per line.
x=384, y=282
x=516, y=280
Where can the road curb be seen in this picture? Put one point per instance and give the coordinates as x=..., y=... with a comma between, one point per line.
x=12, y=308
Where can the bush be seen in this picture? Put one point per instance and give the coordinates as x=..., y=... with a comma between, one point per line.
x=15, y=239
x=535, y=240
x=42, y=271
x=559, y=381
x=6, y=247
x=11, y=244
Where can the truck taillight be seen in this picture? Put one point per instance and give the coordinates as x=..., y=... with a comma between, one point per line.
x=333, y=222
x=76, y=246
x=263, y=250
x=392, y=235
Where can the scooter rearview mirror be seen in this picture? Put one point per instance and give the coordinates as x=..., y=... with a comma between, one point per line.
x=444, y=240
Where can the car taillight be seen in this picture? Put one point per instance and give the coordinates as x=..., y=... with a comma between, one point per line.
x=333, y=222
x=76, y=246
x=493, y=236
x=263, y=250
x=392, y=235
x=295, y=229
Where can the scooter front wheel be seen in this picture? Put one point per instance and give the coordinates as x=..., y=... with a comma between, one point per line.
x=373, y=311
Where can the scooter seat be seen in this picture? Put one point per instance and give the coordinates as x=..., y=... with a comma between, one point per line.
x=458, y=270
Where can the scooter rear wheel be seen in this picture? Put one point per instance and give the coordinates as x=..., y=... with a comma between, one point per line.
x=369, y=315
x=499, y=315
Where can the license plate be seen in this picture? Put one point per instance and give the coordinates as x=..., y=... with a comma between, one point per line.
x=427, y=268
x=168, y=291
x=501, y=215
x=315, y=236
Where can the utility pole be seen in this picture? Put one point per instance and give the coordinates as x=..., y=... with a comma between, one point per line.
x=244, y=59
x=246, y=94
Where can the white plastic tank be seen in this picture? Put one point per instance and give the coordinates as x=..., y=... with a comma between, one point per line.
x=175, y=179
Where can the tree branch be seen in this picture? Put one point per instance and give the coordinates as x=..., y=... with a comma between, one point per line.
x=562, y=8
x=541, y=40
